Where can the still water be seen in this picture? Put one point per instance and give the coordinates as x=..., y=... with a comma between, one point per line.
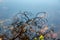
x=8, y=8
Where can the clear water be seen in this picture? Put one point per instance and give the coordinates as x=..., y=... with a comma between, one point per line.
x=8, y=8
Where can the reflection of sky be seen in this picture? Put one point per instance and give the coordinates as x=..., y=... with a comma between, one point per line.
x=9, y=7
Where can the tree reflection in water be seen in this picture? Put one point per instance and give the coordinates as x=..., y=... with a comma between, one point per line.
x=22, y=27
